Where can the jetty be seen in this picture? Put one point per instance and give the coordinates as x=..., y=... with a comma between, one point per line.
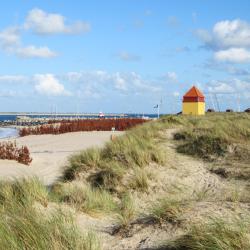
x=36, y=118
x=30, y=114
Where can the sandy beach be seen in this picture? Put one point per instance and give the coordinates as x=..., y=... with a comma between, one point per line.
x=50, y=154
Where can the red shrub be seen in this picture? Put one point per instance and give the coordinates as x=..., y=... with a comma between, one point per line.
x=10, y=151
x=24, y=155
x=66, y=126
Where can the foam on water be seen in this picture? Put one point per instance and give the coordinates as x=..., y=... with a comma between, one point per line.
x=8, y=132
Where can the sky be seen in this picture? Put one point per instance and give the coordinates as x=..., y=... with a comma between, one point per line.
x=123, y=56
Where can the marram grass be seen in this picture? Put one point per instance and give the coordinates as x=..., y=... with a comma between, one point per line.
x=217, y=234
x=23, y=226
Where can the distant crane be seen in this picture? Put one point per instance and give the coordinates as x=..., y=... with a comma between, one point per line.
x=214, y=96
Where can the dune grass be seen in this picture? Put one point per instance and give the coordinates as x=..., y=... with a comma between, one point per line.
x=169, y=210
x=89, y=158
x=210, y=136
x=135, y=149
x=23, y=226
x=220, y=138
x=217, y=234
x=24, y=192
x=126, y=211
x=140, y=180
x=86, y=199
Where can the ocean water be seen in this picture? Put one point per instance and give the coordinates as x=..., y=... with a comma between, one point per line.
x=13, y=117
x=7, y=117
x=8, y=132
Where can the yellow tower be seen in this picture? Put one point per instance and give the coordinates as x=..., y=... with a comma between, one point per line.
x=193, y=102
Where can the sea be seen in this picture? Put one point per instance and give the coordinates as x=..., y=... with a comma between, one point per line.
x=7, y=132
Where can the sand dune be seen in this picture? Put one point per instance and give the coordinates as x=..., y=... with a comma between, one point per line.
x=50, y=154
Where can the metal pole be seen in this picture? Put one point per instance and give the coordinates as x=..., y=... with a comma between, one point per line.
x=238, y=100
x=216, y=99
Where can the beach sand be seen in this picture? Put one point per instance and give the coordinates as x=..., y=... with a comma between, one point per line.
x=50, y=154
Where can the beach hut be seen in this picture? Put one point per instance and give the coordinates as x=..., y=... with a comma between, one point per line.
x=193, y=102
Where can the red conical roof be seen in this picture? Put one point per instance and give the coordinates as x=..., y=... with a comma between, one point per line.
x=194, y=92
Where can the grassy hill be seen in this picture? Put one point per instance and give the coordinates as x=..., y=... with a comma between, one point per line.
x=180, y=182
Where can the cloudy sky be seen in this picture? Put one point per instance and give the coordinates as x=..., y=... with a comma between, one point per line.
x=122, y=56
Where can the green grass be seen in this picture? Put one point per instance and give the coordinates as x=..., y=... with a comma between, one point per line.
x=108, y=176
x=24, y=192
x=169, y=210
x=140, y=180
x=126, y=211
x=87, y=199
x=216, y=235
x=23, y=226
x=87, y=159
x=212, y=135
x=220, y=138
x=136, y=148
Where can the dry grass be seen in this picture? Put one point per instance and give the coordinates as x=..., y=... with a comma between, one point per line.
x=169, y=210
x=135, y=149
x=221, y=138
x=22, y=226
x=140, y=180
x=85, y=198
x=126, y=212
x=217, y=234
x=24, y=192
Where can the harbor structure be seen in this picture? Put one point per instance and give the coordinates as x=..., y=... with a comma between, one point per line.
x=193, y=102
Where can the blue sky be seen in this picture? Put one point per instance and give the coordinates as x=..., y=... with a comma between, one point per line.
x=123, y=56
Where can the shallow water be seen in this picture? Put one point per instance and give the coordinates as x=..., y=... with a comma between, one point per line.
x=8, y=132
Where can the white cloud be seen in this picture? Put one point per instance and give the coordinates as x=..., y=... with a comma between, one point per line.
x=103, y=83
x=13, y=79
x=232, y=86
x=225, y=67
x=119, y=82
x=10, y=43
x=219, y=87
x=49, y=85
x=230, y=40
x=88, y=92
x=235, y=55
x=32, y=51
x=45, y=23
x=171, y=76
x=39, y=22
x=10, y=36
x=88, y=84
x=226, y=34
x=234, y=33
x=125, y=56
